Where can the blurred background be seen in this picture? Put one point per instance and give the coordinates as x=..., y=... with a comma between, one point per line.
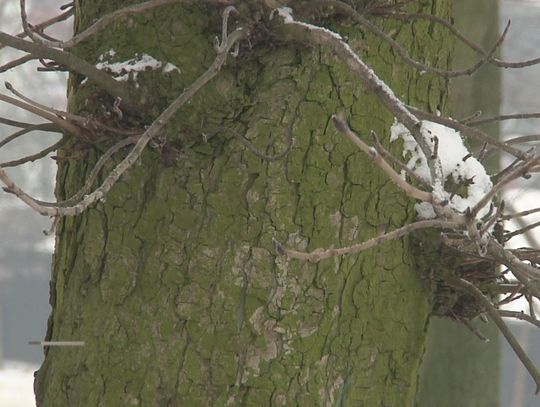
x=25, y=252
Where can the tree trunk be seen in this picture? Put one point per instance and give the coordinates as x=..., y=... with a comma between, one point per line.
x=173, y=282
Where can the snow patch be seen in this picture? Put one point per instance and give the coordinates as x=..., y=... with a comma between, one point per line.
x=459, y=168
x=121, y=70
x=17, y=384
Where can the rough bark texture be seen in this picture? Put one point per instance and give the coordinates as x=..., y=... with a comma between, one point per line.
x=458, y=368
x=173, y=281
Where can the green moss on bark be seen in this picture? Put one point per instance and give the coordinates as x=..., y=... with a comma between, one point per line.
x=173, y=282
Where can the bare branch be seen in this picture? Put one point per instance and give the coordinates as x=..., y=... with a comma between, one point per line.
x=104, y=80
x=41, y=26
x=137, y=150
x=63, y=124
x=51, y=127
x=93, y=174
x=15, y=123
x=296, y=31
x=318, y=255
x=525, y=273
x=16, y=62
x=105, y=21
x=389, y=157
x=512, y=175
x=494, y=315
x=74, y=118
x=33, y=157
x=521, y=231
x=402, y=52
x=342, y=126
x=476, y=48
x=515, y=116
x=523, y=139
x=488, y=150
x=470, y=131
x=519, y=214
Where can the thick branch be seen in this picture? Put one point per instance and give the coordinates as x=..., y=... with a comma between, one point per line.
x=104, y=80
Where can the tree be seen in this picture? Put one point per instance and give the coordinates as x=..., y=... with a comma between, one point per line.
x=178, y=271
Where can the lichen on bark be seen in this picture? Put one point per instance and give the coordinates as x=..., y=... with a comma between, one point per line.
x=173, y=282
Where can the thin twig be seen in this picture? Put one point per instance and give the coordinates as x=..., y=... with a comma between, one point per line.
x=74, y=63
x=510, y=167
x=63, y=124
x=41, y=26
x=473, y=329
x=476, y=48
x=318, y=255
x=16, y=62
x=488, y=225
x=503, y=328
x=502, y=117
x=473, y=116
x=105, y=21
x=512, y=175
x=342, y=126
x=470, y=131
x=402, y=52
x=525, y=229
x=295, y=31
x=154, y=129
x=33, y=157
x=519, y=214
x=390, y=157
x=50, y=127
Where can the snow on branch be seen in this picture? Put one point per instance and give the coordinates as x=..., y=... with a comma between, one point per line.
x=460, y=197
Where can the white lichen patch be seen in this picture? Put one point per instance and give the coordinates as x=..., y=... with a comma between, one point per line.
x=121, y=70
x=328, y=393
x=266, y=351
x=467, y=176
x=237, y=270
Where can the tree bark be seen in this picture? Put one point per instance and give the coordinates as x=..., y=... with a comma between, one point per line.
x=173, y=282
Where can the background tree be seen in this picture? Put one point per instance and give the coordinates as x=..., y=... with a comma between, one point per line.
x=458, y=368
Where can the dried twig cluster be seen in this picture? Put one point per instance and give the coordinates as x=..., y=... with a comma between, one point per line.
x=466, y=225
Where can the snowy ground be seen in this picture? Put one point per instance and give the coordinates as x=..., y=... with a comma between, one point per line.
x=16, y=384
